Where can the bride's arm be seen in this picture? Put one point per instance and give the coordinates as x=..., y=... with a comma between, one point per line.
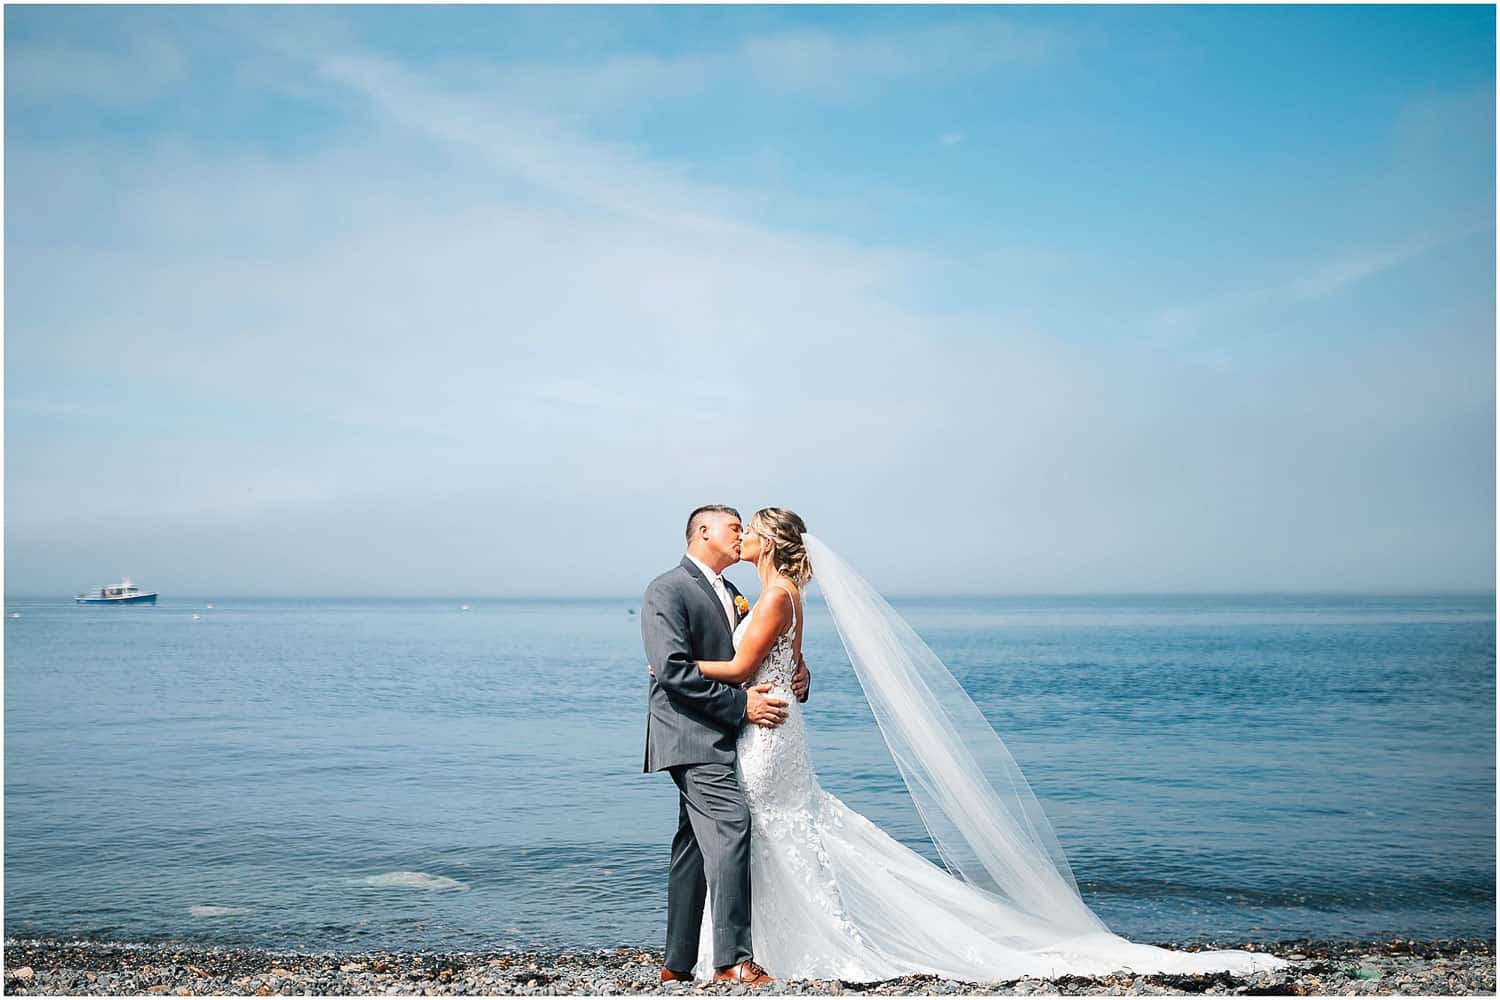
x=772, y=614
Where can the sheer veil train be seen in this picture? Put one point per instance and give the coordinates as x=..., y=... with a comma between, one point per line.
x=986, y=824
x=976, y=804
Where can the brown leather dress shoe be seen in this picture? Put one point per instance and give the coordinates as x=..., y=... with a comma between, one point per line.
x=746, y=974
x=671, y=976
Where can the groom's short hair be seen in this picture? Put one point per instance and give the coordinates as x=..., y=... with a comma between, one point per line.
x=714, y=508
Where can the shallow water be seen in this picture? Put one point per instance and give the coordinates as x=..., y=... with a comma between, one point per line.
x=400, y=773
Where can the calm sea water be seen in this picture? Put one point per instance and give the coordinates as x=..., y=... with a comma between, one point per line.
x=346, y=774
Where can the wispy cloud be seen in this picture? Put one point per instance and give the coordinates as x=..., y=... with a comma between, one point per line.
x=1345, y=270
x=541, y=151
x=1180, y=322
x=820, y=65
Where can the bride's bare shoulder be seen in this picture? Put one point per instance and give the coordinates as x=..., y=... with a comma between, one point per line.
x=781, y=600
x=774, y=600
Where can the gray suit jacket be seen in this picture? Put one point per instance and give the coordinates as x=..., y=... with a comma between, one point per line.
x=690, y=719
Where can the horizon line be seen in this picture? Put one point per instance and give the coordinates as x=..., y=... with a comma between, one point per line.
x=1320, y=592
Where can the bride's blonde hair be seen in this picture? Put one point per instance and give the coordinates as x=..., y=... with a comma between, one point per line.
x=782, y=531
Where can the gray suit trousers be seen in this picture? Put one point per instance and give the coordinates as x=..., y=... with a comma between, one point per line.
x=713, y=840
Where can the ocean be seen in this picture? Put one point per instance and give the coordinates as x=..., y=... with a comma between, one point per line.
x=354, y=774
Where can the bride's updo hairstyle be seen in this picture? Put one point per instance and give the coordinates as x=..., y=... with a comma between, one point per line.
x=783, y=530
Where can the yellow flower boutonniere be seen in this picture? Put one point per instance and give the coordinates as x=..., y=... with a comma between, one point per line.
x=741, y=605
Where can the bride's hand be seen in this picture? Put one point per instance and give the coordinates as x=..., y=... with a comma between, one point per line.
x=762, y=709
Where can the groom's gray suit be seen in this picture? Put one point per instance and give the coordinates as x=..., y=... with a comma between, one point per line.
x=691, y=728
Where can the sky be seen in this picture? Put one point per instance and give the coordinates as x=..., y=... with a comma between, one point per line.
x=1004, y=300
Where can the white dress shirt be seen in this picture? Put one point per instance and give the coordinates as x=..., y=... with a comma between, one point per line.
x=717, y=582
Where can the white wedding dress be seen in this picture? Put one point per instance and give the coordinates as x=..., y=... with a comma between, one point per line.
x=834, y=897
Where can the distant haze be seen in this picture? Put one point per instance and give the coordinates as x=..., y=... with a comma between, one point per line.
x=482, y=301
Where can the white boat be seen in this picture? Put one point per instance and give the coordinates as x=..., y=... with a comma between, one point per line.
x=123, y=592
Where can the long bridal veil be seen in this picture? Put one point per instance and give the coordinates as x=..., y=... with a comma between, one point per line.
x=979, y=810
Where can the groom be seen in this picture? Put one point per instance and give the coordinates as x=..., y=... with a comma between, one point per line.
x=688, y=614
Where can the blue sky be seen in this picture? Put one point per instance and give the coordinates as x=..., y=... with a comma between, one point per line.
x=461, y=300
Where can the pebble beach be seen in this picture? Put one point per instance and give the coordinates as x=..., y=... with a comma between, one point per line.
x=1452, y=967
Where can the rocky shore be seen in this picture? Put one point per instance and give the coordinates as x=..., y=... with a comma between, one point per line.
x=33, y=967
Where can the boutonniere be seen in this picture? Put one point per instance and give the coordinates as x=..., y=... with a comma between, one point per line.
x=741, y=605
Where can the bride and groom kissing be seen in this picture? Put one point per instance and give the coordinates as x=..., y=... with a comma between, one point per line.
x=772, y=875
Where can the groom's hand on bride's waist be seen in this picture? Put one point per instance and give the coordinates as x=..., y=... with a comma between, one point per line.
x=762, y=709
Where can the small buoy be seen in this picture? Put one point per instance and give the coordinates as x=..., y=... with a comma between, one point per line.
x=632, y=611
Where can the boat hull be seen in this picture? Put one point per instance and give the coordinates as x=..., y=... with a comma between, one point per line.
x=132, y=599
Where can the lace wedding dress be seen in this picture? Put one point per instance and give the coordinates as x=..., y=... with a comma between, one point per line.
x=834, y=897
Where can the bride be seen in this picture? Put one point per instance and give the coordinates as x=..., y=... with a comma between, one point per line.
x=834, y=897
